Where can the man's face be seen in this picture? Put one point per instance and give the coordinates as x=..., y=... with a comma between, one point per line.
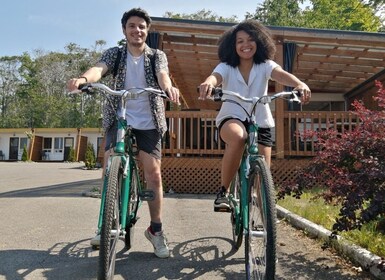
x=136, y=31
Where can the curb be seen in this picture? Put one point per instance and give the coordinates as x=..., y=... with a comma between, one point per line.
x=359, y=255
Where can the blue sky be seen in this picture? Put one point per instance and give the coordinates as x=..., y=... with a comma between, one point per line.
x=27, y=25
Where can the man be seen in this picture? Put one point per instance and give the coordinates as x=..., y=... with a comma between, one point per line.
x=146, y=114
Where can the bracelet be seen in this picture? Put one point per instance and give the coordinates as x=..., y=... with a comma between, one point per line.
x=84, y=78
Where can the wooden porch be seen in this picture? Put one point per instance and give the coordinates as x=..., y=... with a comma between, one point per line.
x=192, y=150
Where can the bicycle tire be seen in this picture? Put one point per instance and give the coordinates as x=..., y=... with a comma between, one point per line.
x=133, y=205
x=236, y=219
x=260, y=239
x=110, y=230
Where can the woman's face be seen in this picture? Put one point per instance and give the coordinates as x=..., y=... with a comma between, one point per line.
x=245, y=45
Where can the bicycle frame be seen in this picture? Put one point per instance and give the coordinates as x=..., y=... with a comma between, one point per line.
x=252, y=203
x=249, y=155
x=124, y=150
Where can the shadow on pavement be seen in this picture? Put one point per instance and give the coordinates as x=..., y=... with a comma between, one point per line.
x=60, y=190
x=296, y=265
x=191, y=259
x=62, y=261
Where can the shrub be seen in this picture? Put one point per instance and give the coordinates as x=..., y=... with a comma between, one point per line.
x=71, y=155
x=24, y=156
x=352, y=168
x=90, y=156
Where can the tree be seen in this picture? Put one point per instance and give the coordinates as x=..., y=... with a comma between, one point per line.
x=342, y=15
x=351, y=166
x=359, y=15
x=10, y=81
x=279, y=13
x=33, y=89
x=202, y=15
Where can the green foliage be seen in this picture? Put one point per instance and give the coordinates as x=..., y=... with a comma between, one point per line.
x=24, y=156
x=33, y=89
x=324, y=14
x=202, y=15
x=352, y=167
x=279, y=13
x=71, y=155
x=341, y=15
x=90, y=156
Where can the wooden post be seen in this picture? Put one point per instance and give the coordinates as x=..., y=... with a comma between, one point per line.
x=279, y=107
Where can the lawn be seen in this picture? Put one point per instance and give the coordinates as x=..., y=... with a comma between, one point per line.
x=369, y=237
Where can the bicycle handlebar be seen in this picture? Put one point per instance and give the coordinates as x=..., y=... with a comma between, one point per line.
x=131, y=93
x=218, y=94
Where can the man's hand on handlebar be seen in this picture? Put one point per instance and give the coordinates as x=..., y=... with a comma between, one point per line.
x=173, y=94
x=73, y=84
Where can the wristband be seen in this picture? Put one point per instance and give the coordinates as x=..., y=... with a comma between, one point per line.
x=84, y=78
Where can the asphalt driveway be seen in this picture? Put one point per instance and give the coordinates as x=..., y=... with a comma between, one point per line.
x=46, y=225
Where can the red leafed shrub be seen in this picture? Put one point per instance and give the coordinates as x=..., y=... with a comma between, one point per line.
x=352, y=168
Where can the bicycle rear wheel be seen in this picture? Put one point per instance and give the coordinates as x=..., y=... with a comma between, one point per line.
x=260, y=239
x=235, y=217
x=133, y=205
x=110, y=224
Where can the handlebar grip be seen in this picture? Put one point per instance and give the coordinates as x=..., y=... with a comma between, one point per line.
x=297, y=92
x=216, y=93
x=86, y=87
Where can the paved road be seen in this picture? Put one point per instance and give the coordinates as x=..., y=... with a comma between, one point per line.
x=46, y=225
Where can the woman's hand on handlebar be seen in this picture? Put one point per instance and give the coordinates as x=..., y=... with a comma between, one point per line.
x=305, y=92
x=205, y=90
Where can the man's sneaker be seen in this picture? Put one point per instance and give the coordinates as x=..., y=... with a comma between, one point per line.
x=159, y=242
x=221, y=203
x=95, y=242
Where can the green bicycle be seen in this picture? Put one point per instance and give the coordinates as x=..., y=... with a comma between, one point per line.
x=252, y=194
x=123, y=190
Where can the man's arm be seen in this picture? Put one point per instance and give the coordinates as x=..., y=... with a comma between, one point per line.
x=166, y=85
x=92, y=75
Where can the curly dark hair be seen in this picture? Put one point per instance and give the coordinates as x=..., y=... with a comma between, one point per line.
x=260, y=34
x=139, y=12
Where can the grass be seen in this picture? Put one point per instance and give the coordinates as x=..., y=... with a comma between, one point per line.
x=323, y=214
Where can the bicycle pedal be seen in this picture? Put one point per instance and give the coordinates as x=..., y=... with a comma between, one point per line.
x=147, y=195
x=222, y=209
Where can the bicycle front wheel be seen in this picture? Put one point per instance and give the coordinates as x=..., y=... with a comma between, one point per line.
x=235, y=217
x=133, y=205
x=110, y=231
x=260, y=239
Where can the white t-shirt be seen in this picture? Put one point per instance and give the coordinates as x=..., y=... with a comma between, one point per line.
x=138, y=114
x=257, y=86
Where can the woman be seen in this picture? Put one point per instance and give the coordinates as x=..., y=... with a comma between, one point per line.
x=246, y=52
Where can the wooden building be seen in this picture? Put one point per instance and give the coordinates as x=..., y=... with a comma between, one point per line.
x=338, y=66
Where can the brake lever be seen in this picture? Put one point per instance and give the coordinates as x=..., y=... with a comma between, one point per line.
x=295, y=96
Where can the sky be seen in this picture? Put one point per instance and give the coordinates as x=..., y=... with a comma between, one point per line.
x=28, y=25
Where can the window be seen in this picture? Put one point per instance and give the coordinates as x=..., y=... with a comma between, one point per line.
x=58, y=144
x=23, y=143
x=47, y=143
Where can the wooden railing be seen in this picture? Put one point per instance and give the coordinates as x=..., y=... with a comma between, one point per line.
x=296, y=123
x=193, y=133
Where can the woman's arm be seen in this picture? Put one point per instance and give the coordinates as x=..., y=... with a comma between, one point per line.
x=285, y=78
